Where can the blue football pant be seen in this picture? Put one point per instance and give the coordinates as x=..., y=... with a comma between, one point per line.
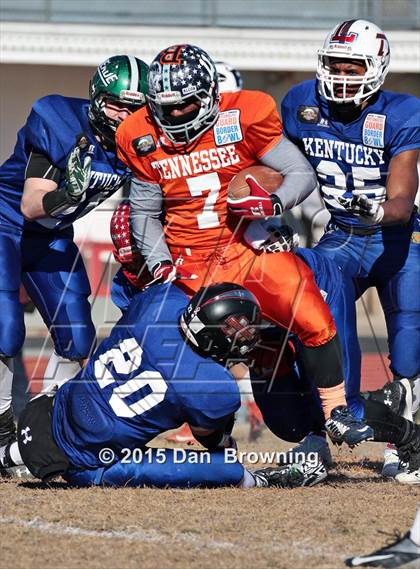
x=52, y=271
x=390, y=261
x=164, y=468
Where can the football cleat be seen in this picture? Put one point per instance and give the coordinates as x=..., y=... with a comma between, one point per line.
x=392, y=463
x=16, y=473
x=402, y=396
x=308, y=447
x=7, y=427
x=410, y=453
x=290, y=476
x=403, y=552
x=342, y=427
x=278, y=477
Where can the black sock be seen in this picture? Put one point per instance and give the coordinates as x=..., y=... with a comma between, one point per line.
x=388, y=427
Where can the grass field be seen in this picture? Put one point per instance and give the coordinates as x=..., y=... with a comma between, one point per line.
x=312, y=528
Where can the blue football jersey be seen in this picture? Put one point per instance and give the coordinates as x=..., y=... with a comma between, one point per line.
x=142, y=380
x=51, y=129
x=350, y=159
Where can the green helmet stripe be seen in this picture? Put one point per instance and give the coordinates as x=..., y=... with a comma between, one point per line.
x=134, y=82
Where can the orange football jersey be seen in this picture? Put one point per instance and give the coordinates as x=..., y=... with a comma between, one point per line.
x=194, y=179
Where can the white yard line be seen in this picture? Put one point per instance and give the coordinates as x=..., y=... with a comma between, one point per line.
x=138, y=535
x=303, y=548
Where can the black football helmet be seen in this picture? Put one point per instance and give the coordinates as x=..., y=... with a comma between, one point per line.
x=178, y=76
x=222, y=321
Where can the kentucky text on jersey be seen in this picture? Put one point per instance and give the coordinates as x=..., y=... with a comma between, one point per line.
x=196, y=162
x=353, y=158
x=104, y=181
x=343, y=151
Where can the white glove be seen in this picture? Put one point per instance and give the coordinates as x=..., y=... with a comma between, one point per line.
x=271, y=236
x=367, y=210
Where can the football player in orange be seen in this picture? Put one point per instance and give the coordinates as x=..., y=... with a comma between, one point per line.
x=183, y=150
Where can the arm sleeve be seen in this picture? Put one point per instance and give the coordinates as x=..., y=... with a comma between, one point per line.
x=266, y=128
x=40, y=166
x=299, y=176
x=146, y=210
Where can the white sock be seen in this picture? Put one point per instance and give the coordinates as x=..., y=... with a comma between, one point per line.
x=248, y=481
x=58, y=371
x=6, y=379
x=415, y=529
x=245, y=388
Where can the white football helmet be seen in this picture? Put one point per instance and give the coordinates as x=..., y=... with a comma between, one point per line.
x=353, y=40
x=230, y=80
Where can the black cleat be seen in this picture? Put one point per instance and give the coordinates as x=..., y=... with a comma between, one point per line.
x=409, y=453
x=342, y=427
x=290, y=476
x=403, y=552
x=7, y=428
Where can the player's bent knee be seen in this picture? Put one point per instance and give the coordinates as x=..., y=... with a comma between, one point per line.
x=75, y=345
x=12, y=327
x=73, y=331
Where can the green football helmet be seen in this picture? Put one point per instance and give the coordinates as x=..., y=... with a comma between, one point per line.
x=120, y=79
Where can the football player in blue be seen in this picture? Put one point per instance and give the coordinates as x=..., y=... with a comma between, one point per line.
x=363, y=142
x=290, y=405
x=168, y=360
x=63, y=165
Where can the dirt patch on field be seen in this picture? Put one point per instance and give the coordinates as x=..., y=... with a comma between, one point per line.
x=314, y=528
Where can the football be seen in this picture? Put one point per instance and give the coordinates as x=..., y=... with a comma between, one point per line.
x=269, y=179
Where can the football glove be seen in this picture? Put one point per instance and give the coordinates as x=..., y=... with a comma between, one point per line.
x=259, y=203
x=77, y=173
x=369, y=211
x=271, y=236
x=166, y=272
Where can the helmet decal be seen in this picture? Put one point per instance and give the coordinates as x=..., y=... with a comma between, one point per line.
x=342, y=34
